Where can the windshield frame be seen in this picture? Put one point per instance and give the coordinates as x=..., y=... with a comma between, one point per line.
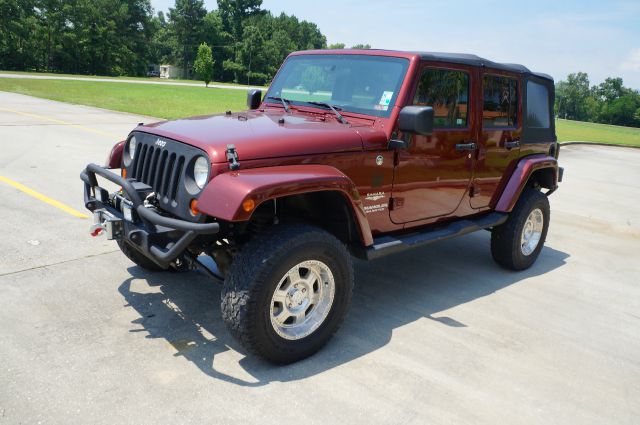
x=344, y=109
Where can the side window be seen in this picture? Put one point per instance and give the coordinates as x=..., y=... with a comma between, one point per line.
x=447, y=91
x=537, y=105
x=500, y=102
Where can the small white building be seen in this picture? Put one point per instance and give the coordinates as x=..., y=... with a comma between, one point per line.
x=170, y=71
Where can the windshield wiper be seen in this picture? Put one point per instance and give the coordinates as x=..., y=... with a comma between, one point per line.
x=334, y=109
x=285, y=102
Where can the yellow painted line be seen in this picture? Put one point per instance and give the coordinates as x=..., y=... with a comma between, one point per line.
x=43, y=198
x=65, y=123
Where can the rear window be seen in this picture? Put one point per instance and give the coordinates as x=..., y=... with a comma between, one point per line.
x=500, y=102
x=537, y=106
x=447, y=91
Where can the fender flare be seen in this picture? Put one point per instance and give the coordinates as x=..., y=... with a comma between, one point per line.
x=224, y=195
x=114, y=160
x=518, y=180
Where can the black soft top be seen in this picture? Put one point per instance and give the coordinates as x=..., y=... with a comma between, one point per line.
x=474, y=60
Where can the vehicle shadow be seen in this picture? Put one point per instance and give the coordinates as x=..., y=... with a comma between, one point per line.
x=184, y=308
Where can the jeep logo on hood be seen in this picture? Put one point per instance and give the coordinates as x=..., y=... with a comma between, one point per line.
x=160, y=143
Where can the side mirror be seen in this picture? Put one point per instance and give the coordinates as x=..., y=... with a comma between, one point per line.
x=416, y=120
x=254, y=98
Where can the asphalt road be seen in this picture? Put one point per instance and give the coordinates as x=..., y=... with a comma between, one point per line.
x=436, y=335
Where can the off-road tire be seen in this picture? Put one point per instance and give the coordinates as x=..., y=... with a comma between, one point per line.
x=505, y=239
x=257, y=271
x=135, y=256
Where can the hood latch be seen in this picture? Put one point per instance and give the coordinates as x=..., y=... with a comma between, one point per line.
x=232, y=158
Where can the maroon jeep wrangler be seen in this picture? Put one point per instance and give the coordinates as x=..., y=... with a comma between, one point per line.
x=361, y=153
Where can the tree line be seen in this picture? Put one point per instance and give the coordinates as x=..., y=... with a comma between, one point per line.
x=609, y=102
x=123, y=37
x=244, y=44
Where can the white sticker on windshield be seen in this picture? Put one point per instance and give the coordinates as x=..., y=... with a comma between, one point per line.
x=385, y=100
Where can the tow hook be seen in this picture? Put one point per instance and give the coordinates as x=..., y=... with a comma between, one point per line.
x=97, y=229
x=107, y=224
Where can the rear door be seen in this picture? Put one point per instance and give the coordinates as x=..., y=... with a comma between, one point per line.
x=433, y=174
x=499, y=134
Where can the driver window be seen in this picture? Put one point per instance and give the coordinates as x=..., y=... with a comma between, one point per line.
x=447, y=91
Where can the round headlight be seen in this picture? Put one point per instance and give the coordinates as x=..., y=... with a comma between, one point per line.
x=201, y=171
x=132, y=147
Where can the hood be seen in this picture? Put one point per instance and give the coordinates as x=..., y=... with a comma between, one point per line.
x=258, y=135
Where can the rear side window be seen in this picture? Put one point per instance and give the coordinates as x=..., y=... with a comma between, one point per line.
x=537, y=105
x=447, y=91
x=500, y=102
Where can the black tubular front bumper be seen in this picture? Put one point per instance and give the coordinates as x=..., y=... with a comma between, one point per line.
x=156, y=236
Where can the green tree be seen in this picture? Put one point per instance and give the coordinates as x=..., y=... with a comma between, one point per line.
x=362, y=46
x=252, y=58
x=164, y=44
x=121, y=37
x=234, y=12
x=18, y=24
x=610, y=90
x=219, y=40
x=186, y=23
x=572, y=95
x=622, y=111
x=336, y=46
x=204, y=63
x=609, y=102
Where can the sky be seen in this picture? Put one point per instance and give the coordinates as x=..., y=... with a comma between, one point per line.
x=601, y=38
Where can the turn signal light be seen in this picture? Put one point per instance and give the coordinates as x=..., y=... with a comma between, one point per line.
x=248, y=205
x=193, y=206
x=123, y=172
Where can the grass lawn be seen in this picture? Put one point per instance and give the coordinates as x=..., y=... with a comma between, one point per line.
x=153, y=100
x=577, y=131
x=180, y=101
x=154, y=79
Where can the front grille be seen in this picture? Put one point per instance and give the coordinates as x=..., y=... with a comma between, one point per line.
x=160, y=169
x=162, y=166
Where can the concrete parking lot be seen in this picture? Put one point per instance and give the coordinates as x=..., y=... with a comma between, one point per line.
x=436, y=335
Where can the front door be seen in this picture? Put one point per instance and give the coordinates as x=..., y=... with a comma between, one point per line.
x=433, y=174
x=499, y=135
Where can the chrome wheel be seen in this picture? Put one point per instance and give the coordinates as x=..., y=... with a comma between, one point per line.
x=532, y=232
x=302, y=300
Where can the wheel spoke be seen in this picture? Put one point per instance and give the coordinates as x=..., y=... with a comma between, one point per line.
x=299, y=317
x=279, y=296
x=315, y=296
x=282, y=316
x=309, y=278
x=294, y=275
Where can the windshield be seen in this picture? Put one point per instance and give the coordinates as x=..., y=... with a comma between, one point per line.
x=352, y=83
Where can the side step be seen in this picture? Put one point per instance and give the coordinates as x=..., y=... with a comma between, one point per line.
x=390, y=244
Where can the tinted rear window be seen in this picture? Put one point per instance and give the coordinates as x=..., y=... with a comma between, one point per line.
x=537, y=106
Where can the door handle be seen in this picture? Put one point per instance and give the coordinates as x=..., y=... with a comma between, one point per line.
x=512, y=144
x=466, y=146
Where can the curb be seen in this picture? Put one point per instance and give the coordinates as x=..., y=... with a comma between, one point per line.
x=599, y=144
